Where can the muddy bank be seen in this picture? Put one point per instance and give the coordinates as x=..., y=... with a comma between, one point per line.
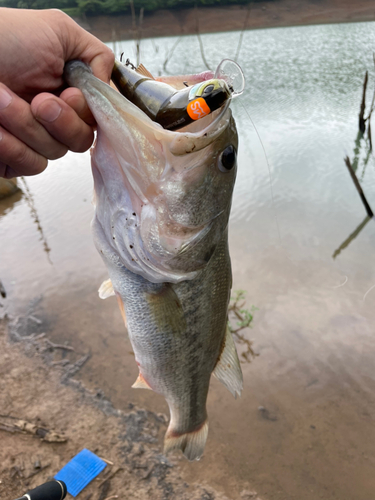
x=37, y=385
x=237, y=17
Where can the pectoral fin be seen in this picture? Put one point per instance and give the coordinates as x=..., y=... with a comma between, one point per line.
x=228, y=368
x=106, y=289
x=167, y=311
x=141, y=383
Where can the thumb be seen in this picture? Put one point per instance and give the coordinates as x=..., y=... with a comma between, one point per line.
x=79, y=44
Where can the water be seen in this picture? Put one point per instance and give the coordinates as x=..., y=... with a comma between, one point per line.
x=314, y=376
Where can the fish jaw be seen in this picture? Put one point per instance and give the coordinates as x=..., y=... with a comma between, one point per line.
x=157, y=189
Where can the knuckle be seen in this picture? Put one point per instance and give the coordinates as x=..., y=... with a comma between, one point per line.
x=109, y=57
x=83, y=142
x=57, y=15
x=20, y=155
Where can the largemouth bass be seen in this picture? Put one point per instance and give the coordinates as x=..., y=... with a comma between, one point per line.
x=162, y=202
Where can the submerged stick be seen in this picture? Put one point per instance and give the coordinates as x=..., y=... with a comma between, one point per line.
x=139, y=36
x=358, y=186
x=170, y=53
x=362, y=121
x=3, y=293
x=200, y=40
x=370, y=113
x=242, y=32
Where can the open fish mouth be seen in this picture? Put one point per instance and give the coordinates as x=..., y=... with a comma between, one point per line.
x=164, y=196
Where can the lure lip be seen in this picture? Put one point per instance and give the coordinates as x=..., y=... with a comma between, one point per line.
x=234, y=76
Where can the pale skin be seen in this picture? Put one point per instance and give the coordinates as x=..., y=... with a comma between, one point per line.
x=39, y=120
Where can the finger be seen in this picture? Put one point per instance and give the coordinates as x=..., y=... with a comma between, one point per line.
x=17, y=118
x=79, y=44
x=75, y=99
x=100, y=58
x=62, y=122
x=17, y=158
x=6, y=171
x=102, y=65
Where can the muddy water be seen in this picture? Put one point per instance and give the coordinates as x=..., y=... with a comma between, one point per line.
x=303, y=251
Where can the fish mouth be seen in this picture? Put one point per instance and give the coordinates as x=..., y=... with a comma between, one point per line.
x=204, y=130
x=133, y=161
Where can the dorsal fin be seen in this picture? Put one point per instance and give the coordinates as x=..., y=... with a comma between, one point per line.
x=143, y=71
x=228, y=369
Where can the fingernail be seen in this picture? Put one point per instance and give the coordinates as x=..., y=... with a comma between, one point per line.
x=5, y=98
x=49, y=111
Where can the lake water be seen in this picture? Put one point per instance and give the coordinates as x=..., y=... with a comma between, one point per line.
x=304, y=427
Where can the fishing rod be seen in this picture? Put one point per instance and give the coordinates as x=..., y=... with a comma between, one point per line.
x=52, y=490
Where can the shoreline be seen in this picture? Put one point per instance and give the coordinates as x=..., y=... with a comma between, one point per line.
x=265, y=14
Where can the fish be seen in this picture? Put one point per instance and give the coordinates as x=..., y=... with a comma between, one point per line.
x=162, y=201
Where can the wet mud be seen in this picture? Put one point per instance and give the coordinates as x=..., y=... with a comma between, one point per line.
x=63, y=417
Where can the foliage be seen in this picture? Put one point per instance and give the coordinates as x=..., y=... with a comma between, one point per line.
x=95, y=7
x=243, y=318
x=39, y=4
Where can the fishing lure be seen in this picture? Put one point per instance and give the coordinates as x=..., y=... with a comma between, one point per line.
x=171, y=108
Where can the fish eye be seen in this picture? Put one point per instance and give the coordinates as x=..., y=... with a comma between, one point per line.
x=227, y=159
x=208, y=89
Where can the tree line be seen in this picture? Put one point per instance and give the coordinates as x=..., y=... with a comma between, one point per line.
x=110, y=7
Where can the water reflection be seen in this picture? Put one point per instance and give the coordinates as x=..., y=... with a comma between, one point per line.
x=34, y=215
x=352, y=236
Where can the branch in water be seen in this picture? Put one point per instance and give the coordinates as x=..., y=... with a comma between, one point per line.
x=242, y=32
x=362, y=121
x=358, y=187
x=200, y=40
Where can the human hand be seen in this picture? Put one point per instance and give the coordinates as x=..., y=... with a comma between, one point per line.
x=38, y=122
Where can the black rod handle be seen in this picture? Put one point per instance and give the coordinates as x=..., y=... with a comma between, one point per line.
x=52, y=490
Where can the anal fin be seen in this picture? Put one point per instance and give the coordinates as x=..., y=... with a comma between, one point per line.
x=106, y=289
x=228, y=368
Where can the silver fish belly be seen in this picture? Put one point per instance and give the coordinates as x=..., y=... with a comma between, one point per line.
x=162, y=202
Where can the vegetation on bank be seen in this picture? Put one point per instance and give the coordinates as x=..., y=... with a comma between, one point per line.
x=109, y=7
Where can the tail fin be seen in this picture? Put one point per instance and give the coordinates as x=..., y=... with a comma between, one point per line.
x=191, y=443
